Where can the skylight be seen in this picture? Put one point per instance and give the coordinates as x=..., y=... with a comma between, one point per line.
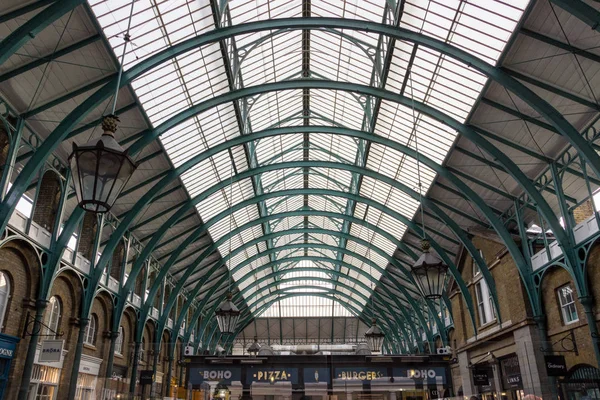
x=479, y=27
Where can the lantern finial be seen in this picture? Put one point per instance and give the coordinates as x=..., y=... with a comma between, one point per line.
x=110, y=124
x=425, y=245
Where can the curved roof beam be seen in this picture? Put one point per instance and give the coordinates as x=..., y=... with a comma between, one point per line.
x=504, y=79
x=582, y=11
x=541, y=106
x=208, y=320
x=467, y=132
x=194, y=292
x=251, y=201
x=332, y=130
x=283, y=296
x=13, y=42
x=501, y=77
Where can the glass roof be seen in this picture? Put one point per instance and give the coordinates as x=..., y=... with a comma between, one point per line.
x=479, y=27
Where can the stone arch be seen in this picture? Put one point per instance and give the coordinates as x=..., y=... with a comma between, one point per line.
x=47, y=200
x=164, y=350
x=128, y=322
x=23, y=263
x=68, y=288
x=148, y=339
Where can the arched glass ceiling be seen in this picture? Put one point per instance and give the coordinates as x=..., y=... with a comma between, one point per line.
x=480, y=27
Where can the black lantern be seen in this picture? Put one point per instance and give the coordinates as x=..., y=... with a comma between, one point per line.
x=254, y=348
x=429, y=273
x=374, y=337
x=227, y=315
x=101, y=169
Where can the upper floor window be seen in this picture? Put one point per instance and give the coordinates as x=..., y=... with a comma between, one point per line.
x=476, y=269
x=52, y=317
x=4, y=296
x=119, y=341
x=567, y=304
x=90, y=331
x=485, y=304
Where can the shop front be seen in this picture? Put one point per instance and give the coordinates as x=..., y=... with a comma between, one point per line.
x=8, y=345
x=512, y=381
x=87, y=379
x=47, y=367
x=582, y=382
x=118, y=384
x=346, y=377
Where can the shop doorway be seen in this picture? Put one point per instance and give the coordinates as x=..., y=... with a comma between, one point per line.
x=581, y=383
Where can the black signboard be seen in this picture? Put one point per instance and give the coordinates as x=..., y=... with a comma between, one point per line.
x=434, y=393
x=480, y=377
x=511, y=373
x=555, y=365
x=146, y=377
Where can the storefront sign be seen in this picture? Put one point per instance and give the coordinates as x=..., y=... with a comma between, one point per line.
x=7, y=349
x=272, y=375
x=511, y=373
x=480, y=377
x=514, y=381
x=316, y=375
x=215, y=374
x=146, y=377
x=51, y=351
x=555, y=365
x=433, y=375
x=360, y=374
x=119, y=372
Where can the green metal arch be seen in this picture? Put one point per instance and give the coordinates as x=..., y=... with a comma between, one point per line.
x=366, y=172
x=340, y=131
x=292, y=295
x=210, y=321
x=311, y=245
x=541, y=106
x=13, y=42
x=204, y=324
x=225, y=278
x=537, y=103
x=208, y=296
x=280, y=297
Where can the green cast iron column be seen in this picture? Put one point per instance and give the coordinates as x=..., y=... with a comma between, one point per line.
x=40, y=306
x=77, y=361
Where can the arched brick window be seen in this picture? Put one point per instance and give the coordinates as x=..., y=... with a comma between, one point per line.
x=4, y=297
x=52, y=317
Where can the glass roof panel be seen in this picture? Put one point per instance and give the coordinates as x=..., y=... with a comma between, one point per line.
x=481, y=28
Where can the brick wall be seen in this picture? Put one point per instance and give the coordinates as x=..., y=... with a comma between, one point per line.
x=512, y=297
x=48, y=200
x=583, y=212
x=67, y=287
x=557, y=330
x=20, y=263
x=88, y=235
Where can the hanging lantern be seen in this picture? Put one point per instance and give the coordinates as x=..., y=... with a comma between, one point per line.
x=100, y=169
x=374, y=337
x=429, y=273
x=227, y=315
x=254, y=348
